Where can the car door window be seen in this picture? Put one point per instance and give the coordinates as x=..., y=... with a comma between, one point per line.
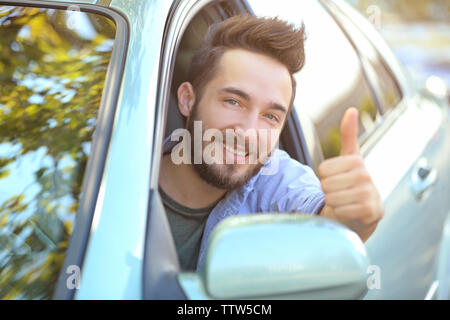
x=53, y=65
x=386, y=86
x=332, y=79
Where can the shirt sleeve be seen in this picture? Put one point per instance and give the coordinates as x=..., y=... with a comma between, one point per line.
x=293, y=188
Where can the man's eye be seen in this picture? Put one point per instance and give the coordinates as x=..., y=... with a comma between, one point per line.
x=232, y=102
x=271, y=117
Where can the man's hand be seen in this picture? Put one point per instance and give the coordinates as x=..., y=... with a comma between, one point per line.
x=350, y=195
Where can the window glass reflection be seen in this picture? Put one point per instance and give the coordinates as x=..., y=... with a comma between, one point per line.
x=387, y=89
x=53, y=66
x=331, y=81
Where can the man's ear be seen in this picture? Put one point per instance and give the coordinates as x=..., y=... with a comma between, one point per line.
x=186, y=98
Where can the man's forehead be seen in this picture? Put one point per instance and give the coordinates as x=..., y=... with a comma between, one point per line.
x=254, y=72
x=245, y=59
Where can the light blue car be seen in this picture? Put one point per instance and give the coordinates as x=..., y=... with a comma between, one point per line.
x=86, y=99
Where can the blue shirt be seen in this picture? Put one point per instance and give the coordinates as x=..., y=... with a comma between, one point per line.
x=281, y=185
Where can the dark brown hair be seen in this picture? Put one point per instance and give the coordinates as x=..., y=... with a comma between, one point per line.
x=269, y=36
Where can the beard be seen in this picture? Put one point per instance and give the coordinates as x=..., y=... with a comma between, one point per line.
x=222, y=176
x=225, y=176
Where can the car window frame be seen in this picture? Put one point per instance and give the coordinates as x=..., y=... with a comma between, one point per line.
x=101, y=138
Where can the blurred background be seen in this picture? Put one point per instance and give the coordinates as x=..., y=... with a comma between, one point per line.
x=419, y=33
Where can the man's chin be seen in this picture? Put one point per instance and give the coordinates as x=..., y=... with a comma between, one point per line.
x=226, y=176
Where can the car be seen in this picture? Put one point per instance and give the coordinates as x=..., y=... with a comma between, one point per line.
x=87, y=98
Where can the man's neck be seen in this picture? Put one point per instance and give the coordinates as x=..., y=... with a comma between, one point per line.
x=185, y=186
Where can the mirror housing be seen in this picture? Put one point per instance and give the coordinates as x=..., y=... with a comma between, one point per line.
x=280, y=256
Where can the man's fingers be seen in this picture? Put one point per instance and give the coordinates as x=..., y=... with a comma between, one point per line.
x=339, y=165
x=358, y=212
x=349, y=196
x=349, y=132
x=346, y=180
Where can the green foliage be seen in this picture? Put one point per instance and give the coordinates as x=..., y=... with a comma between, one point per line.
x=331, y=145
x=331, y=142
x=51, y=83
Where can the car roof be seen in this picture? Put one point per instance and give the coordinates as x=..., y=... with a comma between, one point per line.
x=124, y=5
x=105, y=2
x=83, y=1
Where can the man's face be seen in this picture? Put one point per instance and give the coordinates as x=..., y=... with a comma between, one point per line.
x=250, y=95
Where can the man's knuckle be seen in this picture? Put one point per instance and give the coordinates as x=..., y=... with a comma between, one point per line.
x=368, y=219
x=322, y=170
x=363, y=176
x=366, y=192
x=357, y=161
x=366, y=208
x=330, y=199
x=325, y=185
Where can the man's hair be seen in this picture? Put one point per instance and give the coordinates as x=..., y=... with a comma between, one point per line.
x=269, y=36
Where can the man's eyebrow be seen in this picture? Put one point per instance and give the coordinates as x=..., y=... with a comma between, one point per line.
x=246, y=96
x=277, y=106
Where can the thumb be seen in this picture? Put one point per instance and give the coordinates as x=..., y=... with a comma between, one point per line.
x=349, y=132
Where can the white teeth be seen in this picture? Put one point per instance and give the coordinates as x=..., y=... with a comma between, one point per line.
x=236, y=152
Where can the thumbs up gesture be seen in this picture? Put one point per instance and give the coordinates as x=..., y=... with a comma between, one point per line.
x=351, y=198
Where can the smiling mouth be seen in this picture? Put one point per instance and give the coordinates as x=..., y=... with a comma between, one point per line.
x=234, y=151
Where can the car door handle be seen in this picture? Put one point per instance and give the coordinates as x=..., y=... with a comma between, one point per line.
x=423, y=177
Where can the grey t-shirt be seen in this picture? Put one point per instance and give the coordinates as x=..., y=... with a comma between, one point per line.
x=187, y=227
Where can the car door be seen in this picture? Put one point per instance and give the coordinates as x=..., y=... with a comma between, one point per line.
x=113, y=266
x=414, y=182
x=339, y=73
x=344, y=69
x=57, y=102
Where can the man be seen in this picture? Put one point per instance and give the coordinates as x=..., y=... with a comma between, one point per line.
x=242, y=80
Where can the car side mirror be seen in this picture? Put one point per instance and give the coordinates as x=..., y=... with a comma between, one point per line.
x=280, y=256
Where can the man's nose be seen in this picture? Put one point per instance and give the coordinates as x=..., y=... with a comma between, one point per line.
x=247, y=123
x=246, y=130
